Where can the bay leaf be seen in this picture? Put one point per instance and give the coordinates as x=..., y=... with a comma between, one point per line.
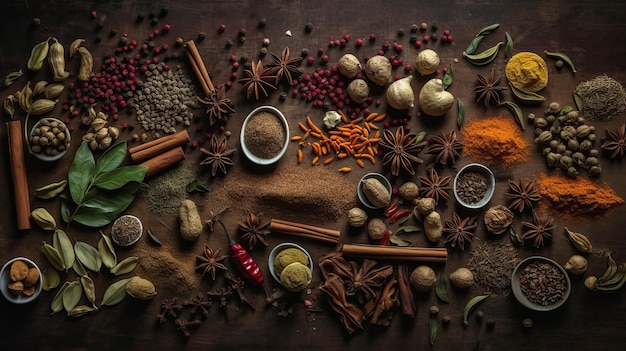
x=51, y=190
x=119, y=177
x=111, y=159
x=127, y=265
x=71, y=295
x=460, y=117
x=53, y=256
x=57, y=301
x=398, y=241
x=407, y=229
x=105, y=207
x=43, y=218
x=63, y=244
x=115, y=293
x=88, y=256
x=448, y=78
x=432, y=327
x=89, y=288
x=81, y=172
x=81, y=310
x=79, y=269
x=441, y=286
x=50, y=279
x=107, y=251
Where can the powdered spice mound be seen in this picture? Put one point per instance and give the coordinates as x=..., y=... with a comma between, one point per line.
x=577, y=196
x=495, y=141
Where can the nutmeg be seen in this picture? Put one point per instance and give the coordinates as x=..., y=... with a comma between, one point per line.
x=140, y=288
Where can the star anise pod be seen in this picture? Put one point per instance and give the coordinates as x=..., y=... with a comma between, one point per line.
x=257, y=80
x=615, y=141
x=254, y=230
x=217, y=155
x=284, y=66
x=488, y=88
x=459, y=230
x=539, y=229
x=210, y=261
x=446, y=146
x=435, y=186
x=366, y=281
x=218, y=105
x=524, y=193
x=401, y=150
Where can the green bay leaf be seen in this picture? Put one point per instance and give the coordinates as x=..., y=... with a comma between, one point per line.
x=81, y=172
x=115, y=293
x=88, y=256
x=119, y=177
x=111, y=158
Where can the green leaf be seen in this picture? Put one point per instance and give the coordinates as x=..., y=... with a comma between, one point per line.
x=448, y=78
x=63, y=244
x=81, y=172
x=117, y=178
x=66, y=210
x=107, y=251
x=460, y=118
x=441, y=286
x=115, y=293
x=102, y=209
x=88, y=256
x=71, y=295
x=432, y=327
x=111, y=158
x=407, y=229
x=398, y=241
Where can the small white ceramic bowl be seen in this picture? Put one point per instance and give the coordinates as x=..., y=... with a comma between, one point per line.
x=280, y=247
x=49, y=158
x=252, y=157
x=5, y=279
x=121, y=221
x=517, y=289
x=361, y=194
x=491, y=185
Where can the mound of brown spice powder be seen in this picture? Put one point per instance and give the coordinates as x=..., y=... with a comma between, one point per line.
x=495, y=141
x=264, y=135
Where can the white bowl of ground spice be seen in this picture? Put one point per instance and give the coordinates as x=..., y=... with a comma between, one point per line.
x=264, y=135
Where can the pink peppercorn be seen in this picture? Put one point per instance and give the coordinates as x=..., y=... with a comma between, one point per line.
x=337, y=42
x=386, y=46
x=164, y=46
x=233, y=58
x=418, y=44
x=331, y=44
x=194, y=144
x=233, y=75
x=444, y=70
x=346, y=37
x=94, y=14
x=381, y=52
x=408, y=68
x=372, y=37
x=378, y=102
x=449, y=38
x=167, y=27
x=228, y=84
x=235, y=65
x=155, y=59
x=407, y=128
x=386, y=125
x=156, y=32
x=324, y=58
x=399, y=48
x=359, y=42
x=343, y=42
x=66, y=121
x=222, y=28
x=426, y=38
x=446, y=32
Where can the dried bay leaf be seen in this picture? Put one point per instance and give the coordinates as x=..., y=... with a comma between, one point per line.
x=71, y=295
x=107, y=251
x=115, y=293
x=88, y=256
x=53, y=256
x=81, y=310
x=50, y=279
x=62, y=243
x=460, y=117
x=127, y=265
x=57, y=302
x=89, y=288
x=441, y=286
x=43, y=218
x=398, y=241
x=51, y=190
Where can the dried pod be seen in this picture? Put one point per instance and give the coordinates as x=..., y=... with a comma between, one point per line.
x=114, y=132
x=53, y=91
x=349, y=65
x=39, y=87
x=140, y=288
x=56, y=59
x=576, y=265
x=86, y=65
x=378, y=70
x=41, y=106
x=423, y=206
x=25, y=97
x=74, y=46
x=93, y=144
x=498, y=219
x=89, y=137
x=98, y=124
x=9, y=105
x=433, y=227
x=102, y=133
x=105, y=143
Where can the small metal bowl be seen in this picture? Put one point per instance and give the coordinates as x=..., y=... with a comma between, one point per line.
x=361, y=195
x=5, y=279
x=42, y=155
x=280, y=247
x=521, y=297
x=249, y=154
x=491, y=185
x=126, y=239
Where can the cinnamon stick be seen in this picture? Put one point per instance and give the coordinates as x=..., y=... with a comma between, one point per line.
x=314, y=233
x=156, y=147
x=329, y=232
x=163, y=161
x=18, y=172
x=198, y=67
x=396, y=253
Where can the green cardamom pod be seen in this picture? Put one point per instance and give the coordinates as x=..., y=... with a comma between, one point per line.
x=79, y=269
x=72, y=295
x=37, y=56
x=74, y=46
x=41, y=106
x=115, y=293
x=51, y=190
x=26, y=97
x=484, y=57
x=43, y=218
x=12, y=77
x=50, y=279
x=9, y=105
x=81, y=310
x=88, y=256
x=470, y=306
x=57, y=302
x=40, y=87
x=53, y=256
x=89, y=288
x=107, y=251
x=53, y=91
x=127, y=265
x=62, y=243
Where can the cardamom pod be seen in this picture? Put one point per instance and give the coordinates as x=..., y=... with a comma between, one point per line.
x=89, y=288
x=114, y=132
x=88, y=256
x=53, y=91
x=86, y=64
x=51, y=190
x=127, y=265
x=53, y=256
x=37, y=56
x=71, y=296
x=62, y=243
x=115, y=293
x=40, y=87
x=9, y=105
x=26, y=97
x=484, y=57
x=57, y=302
x=50, y=279
x=41, y=106
x=79, y=269
x=12, y=77
x=81, y=310
x=107, y=251
x=74, y=46
x=43, y=218
x=56, y=59
x=580, y=241
x=97, y=124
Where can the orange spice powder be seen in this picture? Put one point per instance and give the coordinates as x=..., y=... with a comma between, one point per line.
x=495, y=141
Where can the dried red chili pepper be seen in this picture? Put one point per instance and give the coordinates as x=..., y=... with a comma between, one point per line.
x=248, y=268
x=385, y=240
x=391, y=209
x=396, y=216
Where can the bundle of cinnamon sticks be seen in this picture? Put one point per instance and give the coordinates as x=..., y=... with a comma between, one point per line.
x=305, y=231
x=417, y=254
x=160, y=154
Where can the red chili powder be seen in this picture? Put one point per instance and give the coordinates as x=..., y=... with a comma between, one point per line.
x=495, y=141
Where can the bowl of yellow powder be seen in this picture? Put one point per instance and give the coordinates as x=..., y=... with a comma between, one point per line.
x=285, y=254
x=264, y=135
x=527, y=71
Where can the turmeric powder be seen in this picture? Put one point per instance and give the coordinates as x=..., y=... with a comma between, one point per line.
x=527, y=71
x=577, y=196
x=495, y=140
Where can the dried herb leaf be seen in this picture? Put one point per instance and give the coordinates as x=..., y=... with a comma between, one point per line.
x=515, y=239
x=196, y=186
x=407, y=229
x=38, y=55
x=53, y=256
x=57, y=302
x=154, y=238
x=473, y=45
x=432, y=328
x=71, y=295
x=508, y=46
x=517, y=112
x=115, y=293
x=88, y=256
x=488, y=29
x=81, y=310
x=12, y=77
x=528, y=97
x=89, y=288
x=484, y=57
x=50, y=279
x=448, y=78
x=460, y=117
x=470, y=306
x=398, y=241
x=51, y=190
x=127, y=265
x=441, y=286
x=62, y=243
x=563, y=57
x=107, y=251
x=578, y=101
x=43, y=218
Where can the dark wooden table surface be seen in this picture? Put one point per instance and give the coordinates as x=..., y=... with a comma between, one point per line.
x=592, y=32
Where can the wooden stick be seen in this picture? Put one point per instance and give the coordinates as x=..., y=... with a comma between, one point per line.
x=18, y=171
x=329, y=232
x=163, y=161
x=158, y=146
x=403, y=258
x=399, y=253
x=198, y=66
x=305, y=233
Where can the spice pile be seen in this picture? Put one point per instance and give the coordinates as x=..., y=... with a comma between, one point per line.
x=495, y=141
x=492, y=264
x=602, y=98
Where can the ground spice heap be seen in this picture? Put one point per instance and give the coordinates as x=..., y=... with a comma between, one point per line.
x=603, y=98
x=577, y=196
x=264, y=135
x=495, y=140
x=492, y=264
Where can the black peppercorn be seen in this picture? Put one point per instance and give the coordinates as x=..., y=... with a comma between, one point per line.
x=97, y=39
x=139, y=19
x=433, y=27
x=263, y=51
x=36, y=21
x=400, y=33
x=262, y=22
x=414, y=28
x=201, y=36
x=304, y=52
x=112, y=33
x=242, y=40
x=480, y=315
x=309, y=27
x=229, y=43
x=164, y=11
x=491, y=324
x=433, y=37
x=445, y=321
x=283, y=96
x=154, y=21
x=242, y=32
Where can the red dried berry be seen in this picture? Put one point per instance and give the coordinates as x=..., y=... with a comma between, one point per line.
x=372, y=37
x=359, y=42
x=221, y=28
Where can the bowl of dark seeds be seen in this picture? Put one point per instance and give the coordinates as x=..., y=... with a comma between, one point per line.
x=264, y=135
x=540, y=284
x=474, y=185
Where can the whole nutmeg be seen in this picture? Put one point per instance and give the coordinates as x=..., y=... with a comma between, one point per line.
x=498, y=219
x=140, y=288
x=590, y=282
x=462, y=278
x=427, y=62
x=423, y=206
x=358, y=90
x=378, y=70
x=408, y=191
x=576, y=265
x=376, y=228
x=349, y=65
x=357, y=217
x=423, y=278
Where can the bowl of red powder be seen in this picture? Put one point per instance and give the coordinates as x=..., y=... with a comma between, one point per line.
x=264, y=135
